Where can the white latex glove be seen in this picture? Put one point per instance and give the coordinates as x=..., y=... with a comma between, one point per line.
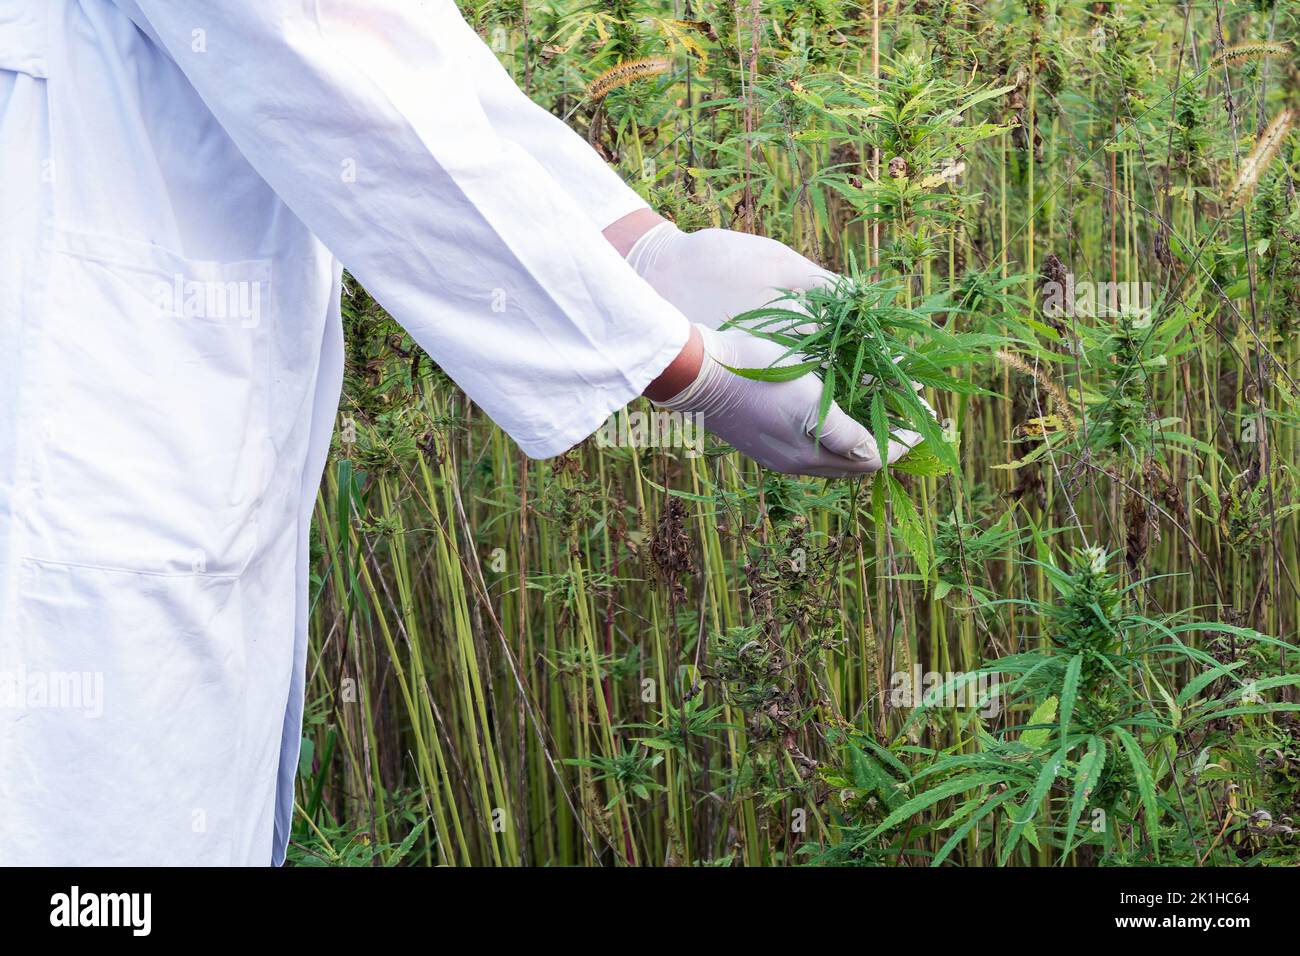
x=714, y=274
x=775, y=423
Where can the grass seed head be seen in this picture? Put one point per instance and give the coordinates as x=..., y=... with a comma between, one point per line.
x=1254, y=165
x=625, y=73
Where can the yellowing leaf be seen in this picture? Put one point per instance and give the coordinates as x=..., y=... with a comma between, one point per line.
x=1044, y=713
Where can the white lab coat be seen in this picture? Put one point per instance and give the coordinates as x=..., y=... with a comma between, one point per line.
x=179, y=181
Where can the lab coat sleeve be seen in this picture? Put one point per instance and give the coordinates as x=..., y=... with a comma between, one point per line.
x=364, y=118
x=569, y=159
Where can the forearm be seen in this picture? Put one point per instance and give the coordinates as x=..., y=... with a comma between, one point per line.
x=580, y=171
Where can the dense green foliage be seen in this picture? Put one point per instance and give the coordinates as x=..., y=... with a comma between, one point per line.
x=1075, y=225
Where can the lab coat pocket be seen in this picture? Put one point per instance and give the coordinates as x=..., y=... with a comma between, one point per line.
x=153, y=452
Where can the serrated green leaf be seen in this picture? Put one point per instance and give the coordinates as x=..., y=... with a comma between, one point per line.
x=932, y=796
x=1044, y=714
x=1070, y=691
x=1030, y=809
x=959, y=834
x=1146, y=785
x=1087, y=773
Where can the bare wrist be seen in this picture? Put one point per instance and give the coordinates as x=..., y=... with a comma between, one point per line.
x=681, y=371
x=623, y=233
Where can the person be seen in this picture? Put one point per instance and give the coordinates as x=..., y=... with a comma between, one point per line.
x=181, y=181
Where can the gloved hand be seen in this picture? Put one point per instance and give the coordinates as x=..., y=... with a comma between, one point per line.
x=775, y=423
x=714, y=274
